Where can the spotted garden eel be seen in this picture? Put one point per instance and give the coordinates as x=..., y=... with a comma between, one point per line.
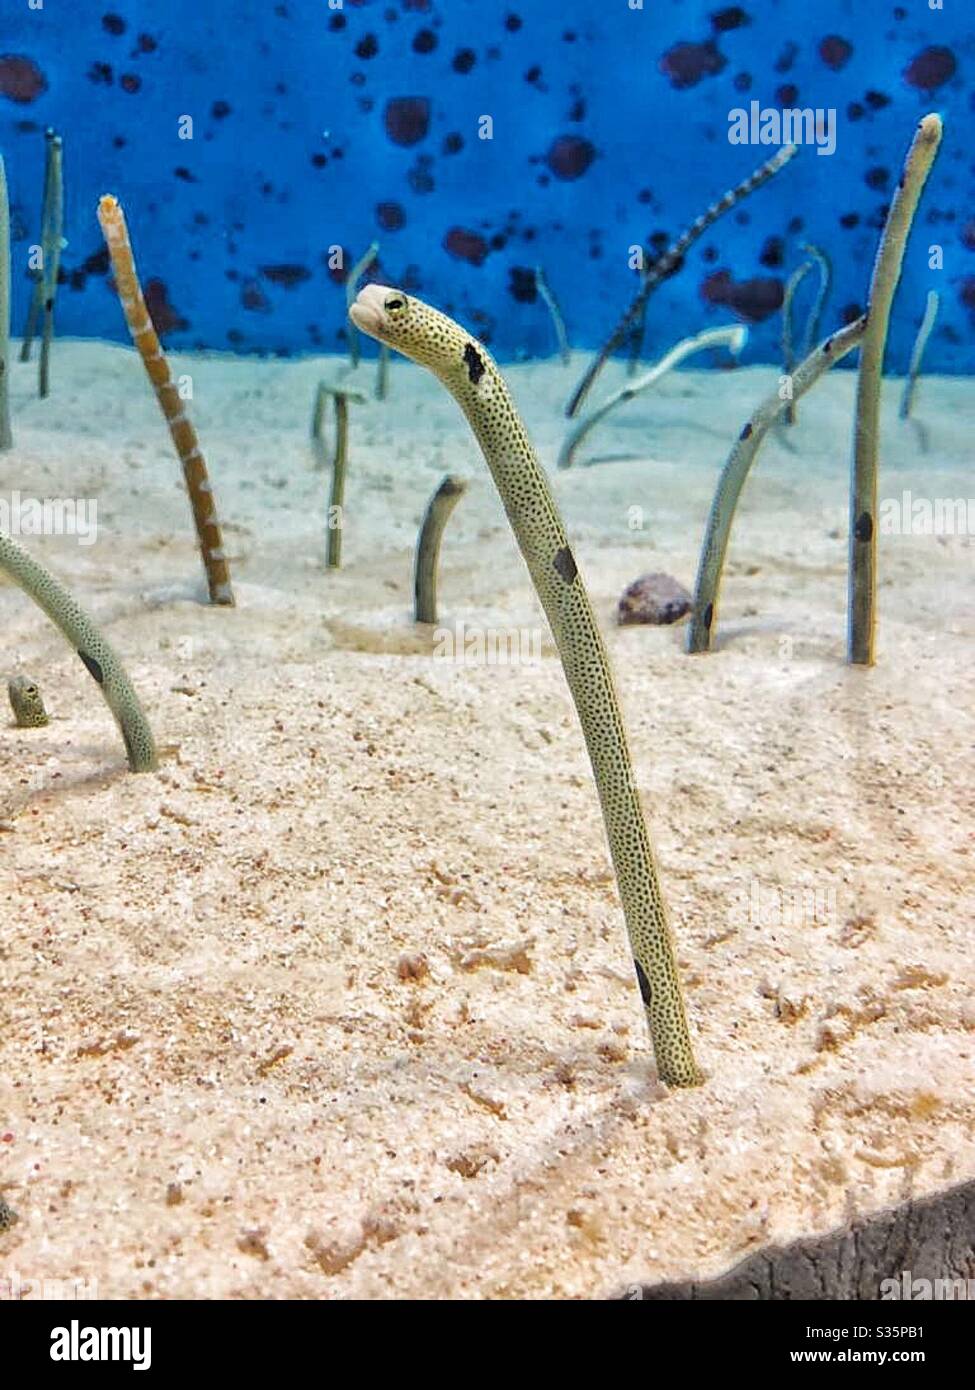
x=461, y=364
x=27, y=702
x=99, y=658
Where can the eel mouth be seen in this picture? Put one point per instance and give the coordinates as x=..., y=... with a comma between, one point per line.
x=367, y=312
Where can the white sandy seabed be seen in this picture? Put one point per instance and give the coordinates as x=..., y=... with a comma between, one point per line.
x=339, y=1003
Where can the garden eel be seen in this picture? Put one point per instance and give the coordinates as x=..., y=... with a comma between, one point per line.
x=442, y=503
x=862, y=599
x=735, y=474
x=26, y=702
x=734, y=338
x=669, y=264
x=98, y=657
x=461, y=364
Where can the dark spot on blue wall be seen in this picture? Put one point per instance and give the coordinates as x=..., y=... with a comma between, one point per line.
x=164, y=317
x=464, y=59
x=930, y=68
x=424, y=41
x=453, y=142
x=966, y=292
x=522, y=285
x=419, y=176
x=686, y=64
x=771, y=254
x=752, y=300
x=877, y=177
x=253, y=298
x=466, y=245
x=835, y=52
x=129, y=82
x=407, y=119
x=367, y=47
x=787, y=57
x=113, y=24
x=21, y=79
x=512, y=23
x=569, y=156
x=286, y=275
x=100, y=74
x=732, y=18
x=390, y=216
x=220, y=110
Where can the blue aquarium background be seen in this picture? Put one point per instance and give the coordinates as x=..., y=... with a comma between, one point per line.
x=316, y=126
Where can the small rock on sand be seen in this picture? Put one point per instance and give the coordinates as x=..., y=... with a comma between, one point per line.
x=653, y=598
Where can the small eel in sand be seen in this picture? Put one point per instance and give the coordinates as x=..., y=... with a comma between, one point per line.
x=467, y=371
x=99, y=658
x=27, y=702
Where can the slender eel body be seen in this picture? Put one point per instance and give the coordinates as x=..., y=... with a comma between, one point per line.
x=467, y=371
x=336, y=500
x=552, y=305
x=668, y=264
x=6, y=439
x=51, y=249
x=355, y=275
x=917, y=353
x=27, y=702
x=442, y=503
x=37, y=293
x=734, y=338
x=735, y=472
x=99, y=658
x=811, y=333
x=862, y=600
x=198, y=485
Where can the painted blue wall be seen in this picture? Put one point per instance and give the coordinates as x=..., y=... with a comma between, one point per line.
x=318, y=126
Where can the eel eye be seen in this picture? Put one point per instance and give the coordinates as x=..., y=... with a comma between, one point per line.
x=396, y=302
x=31, y=690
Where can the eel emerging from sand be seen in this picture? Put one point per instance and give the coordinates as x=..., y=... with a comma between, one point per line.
x=100, y=660
x=467, y=371
x=27, y=702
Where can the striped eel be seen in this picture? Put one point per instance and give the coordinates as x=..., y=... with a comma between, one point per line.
x=187, y=446
x=98, y=657
x=670, y=262
x=467, y=371
x=27, y=702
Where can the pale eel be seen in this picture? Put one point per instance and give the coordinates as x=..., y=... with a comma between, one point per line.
x=27, y=702
x=99, y=658
x=467, y=371
x=442, y=503
x=735, y=473
x=862, y=593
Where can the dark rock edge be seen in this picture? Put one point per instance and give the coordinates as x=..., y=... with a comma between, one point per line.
x=933, y=1238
